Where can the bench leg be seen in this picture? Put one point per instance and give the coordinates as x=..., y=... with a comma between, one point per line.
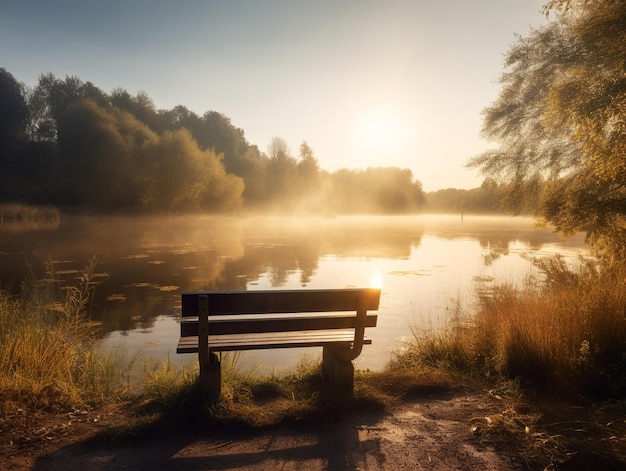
x=338, y=372
x=211, y=377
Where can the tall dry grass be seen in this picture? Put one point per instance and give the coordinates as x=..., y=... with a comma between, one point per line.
x=541, y=349
x=564, y=331
x=19, y=217
x=49, y=354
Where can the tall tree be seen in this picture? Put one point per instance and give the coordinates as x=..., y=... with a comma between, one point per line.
x=309, y=179
x=253, y=169
x=102, y=155
x=218, y=133
x=561, y=115
x=14, y=117
x=281, y=173
x=308, y=166
x=140, y=106
x=14, y=112
x=183, y=177
x=52, y=97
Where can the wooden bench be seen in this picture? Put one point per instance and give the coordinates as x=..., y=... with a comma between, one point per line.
x=335, y=319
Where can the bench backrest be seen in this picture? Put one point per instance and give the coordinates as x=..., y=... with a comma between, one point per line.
x=227, y=308
x=274, y=301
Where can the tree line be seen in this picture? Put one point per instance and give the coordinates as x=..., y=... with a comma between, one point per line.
x=66, y=142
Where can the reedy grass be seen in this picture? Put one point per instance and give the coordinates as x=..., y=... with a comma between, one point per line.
x=19, y=217
x=167, y=383
x=557, y=340
x=565, y=333
x=562, y=332
x=49, y=356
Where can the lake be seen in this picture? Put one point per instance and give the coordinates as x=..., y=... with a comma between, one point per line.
x=424, y=264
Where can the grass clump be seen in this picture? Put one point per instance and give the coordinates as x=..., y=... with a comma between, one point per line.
x=553, y=351
x=49, y=358
x=562, y=332
x=19, y=217
x=255, y=399
x=166, y=383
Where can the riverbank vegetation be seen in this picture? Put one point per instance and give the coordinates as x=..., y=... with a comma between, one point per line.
x=558, y=342
x=48, y=348
x=20, y=217
x=561, y=334
x=68, y=143
x=558, y=347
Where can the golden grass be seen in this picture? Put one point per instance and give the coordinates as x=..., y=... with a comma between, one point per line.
x=48, y=351
x=18, y=217
x=557, y=342
x=565, y=332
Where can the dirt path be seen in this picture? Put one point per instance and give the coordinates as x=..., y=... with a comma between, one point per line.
x=430, y=433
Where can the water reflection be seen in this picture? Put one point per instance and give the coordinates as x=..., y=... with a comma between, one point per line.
x=422, y=261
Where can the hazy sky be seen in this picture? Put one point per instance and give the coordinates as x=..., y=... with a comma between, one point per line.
x=365, y=83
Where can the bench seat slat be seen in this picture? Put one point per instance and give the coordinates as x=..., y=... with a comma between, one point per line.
x=270, y=340
x=220, y=326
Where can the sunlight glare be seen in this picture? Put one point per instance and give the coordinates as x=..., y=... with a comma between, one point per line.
x=379, y=131
x=376, y=281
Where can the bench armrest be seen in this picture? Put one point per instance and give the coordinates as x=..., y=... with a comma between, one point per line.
x=359, y=334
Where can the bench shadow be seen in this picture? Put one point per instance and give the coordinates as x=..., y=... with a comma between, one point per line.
x=333, y=438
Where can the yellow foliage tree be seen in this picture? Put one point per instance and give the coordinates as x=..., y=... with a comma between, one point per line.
x=561, y=117
x=180, y=176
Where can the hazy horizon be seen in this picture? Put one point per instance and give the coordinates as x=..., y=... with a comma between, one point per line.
x=365, y=84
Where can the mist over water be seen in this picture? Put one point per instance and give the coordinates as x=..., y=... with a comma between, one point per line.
x=423, y=264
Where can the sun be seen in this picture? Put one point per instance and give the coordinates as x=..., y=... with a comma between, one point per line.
x=378, y=131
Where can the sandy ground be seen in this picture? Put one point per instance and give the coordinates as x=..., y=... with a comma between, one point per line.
x=431, y=433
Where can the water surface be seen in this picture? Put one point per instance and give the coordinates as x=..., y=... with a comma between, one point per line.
x=425, y=264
